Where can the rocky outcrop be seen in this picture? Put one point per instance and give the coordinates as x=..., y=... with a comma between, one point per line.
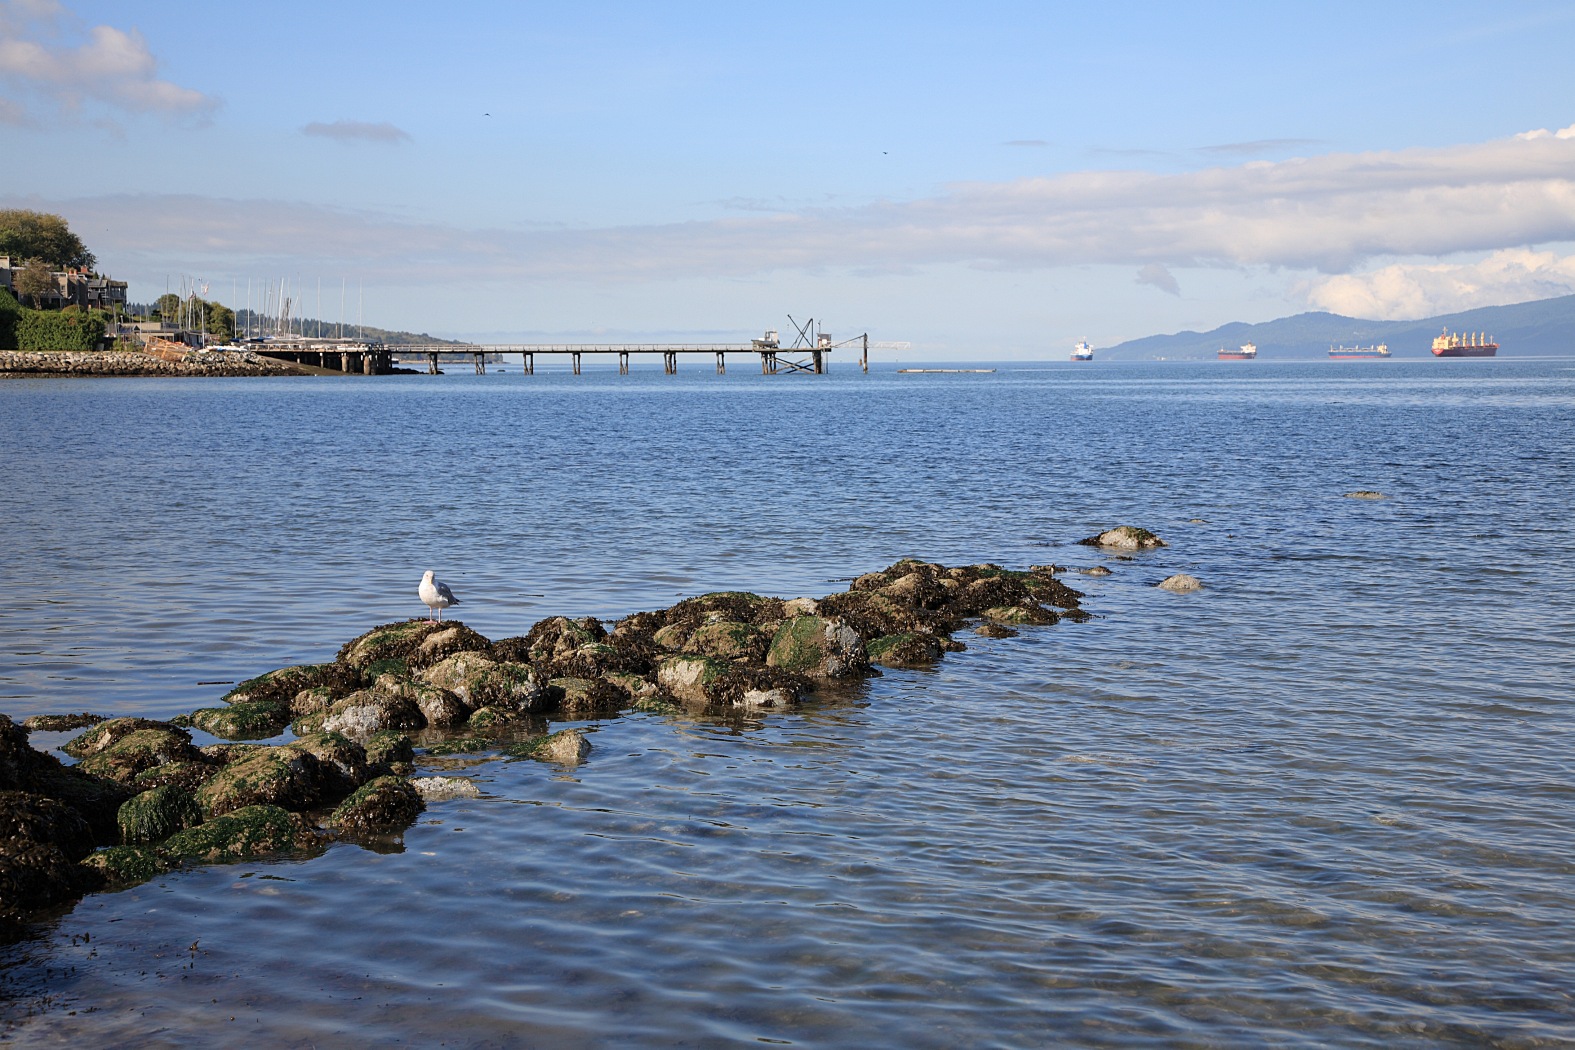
x=1126, y=538
x=1180, y=583
x=143, y=798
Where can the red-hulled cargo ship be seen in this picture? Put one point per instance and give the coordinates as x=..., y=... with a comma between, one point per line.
x=1245, y=352
x=1464, y=344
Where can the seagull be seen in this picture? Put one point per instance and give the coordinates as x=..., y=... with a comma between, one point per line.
x=435, y=595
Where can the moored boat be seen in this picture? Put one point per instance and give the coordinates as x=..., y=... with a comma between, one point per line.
x=1082, y=352
x=1244, y=352
x=1359, y=353
x=1464, y=344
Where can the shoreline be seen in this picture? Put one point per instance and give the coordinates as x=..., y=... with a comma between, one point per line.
x=56, y=364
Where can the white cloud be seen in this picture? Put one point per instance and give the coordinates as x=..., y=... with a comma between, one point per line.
x=111, y=66
x=357, y=131
x=1161, y=278
x=1330, y=213
x=1406, y=291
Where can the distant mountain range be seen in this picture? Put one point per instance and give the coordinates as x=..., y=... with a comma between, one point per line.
x=1546, y=326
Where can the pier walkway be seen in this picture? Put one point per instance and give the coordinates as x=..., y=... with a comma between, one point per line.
x=774, y=360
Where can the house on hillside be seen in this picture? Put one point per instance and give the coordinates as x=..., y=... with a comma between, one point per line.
x=89, y=291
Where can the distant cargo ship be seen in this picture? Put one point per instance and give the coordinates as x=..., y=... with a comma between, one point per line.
x=1359, y=353
x=1082, y=352
x=1464, y=344
x=1244, y=352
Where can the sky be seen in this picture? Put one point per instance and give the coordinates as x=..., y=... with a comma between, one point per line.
x=981, y=181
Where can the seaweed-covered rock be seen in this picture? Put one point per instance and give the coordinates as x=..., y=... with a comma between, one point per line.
x=343, y=763
x=60, y=723
x=105, y=734
x=634, y=687
x=388, y=749
x=276, y=776
x=281, y=687
x=28, y=816
x=245, y=720
x=1180, y=583
x=242, y=834
x=155, y=815
x=995, y=630
x=418, y=644
x=386, y=804
x=1125, y=537
x=555, y=637
x=361, y=714
x=690, y=677
x=818, y=648
x=141, y=749
x=703, y=681
x=120, y=867
x=586, y=697
x=1018, y=615
x=480, y=681
x=439, y=707
x=905, y=650
x=566, y=747
x=41, y=840
x=188, y=775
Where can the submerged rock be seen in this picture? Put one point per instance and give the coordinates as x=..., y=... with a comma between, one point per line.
x=1365, y=494
x=1125, y=537
x=566, y=747
x=60, y=723
x=120, y=867
x=1180, y=583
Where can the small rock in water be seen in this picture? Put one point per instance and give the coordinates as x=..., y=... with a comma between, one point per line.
x=60, y=723
x=1125, y=537
x=1180, y=583
x=1094, y=570
x=441, y=789
x=1365, y=494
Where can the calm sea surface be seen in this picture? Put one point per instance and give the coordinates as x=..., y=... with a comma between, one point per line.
x=1328, y=800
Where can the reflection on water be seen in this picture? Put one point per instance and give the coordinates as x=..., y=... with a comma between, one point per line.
x=1324, y=801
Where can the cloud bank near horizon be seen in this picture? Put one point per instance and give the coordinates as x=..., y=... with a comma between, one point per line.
x=1330, y=214
x=357, y=131
x=112, y=66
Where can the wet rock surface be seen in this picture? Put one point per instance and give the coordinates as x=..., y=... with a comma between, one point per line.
x=143, y=799
x=1125, y=537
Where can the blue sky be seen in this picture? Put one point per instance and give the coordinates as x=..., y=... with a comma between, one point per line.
x=990, y=180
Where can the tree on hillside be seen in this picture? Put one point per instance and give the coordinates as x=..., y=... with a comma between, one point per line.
x=34, y=281
x=168, y=307
x=221, y=321
x=34, y=234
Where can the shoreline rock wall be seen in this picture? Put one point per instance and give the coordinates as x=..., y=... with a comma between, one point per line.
x=136, y=363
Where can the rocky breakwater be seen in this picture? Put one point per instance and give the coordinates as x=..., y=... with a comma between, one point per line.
x=143, y=798
x=136, y=363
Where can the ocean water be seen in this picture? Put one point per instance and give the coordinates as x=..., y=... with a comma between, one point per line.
x=1330, y=799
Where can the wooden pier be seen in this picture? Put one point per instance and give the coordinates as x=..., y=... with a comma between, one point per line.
x=809, y=354
x=774, y=359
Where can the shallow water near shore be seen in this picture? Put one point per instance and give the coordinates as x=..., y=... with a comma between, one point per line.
x=1327, y=800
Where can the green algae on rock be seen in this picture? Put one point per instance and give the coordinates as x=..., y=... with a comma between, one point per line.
x=121, y=867
x=243, y=834
x=387, y=803
x=1125, y=537
x=155, y=815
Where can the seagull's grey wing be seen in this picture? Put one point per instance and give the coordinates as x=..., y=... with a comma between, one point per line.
x=446, y=594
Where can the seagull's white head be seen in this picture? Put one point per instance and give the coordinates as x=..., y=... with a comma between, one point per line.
x=426, y=577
